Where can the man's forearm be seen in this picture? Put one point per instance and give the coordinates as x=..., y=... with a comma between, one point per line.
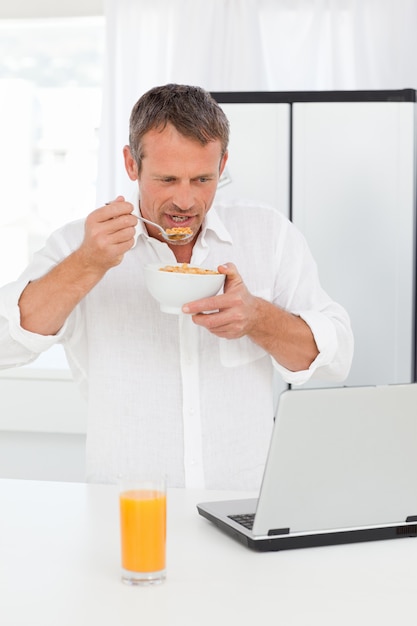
x=46, y=302
x=283, y=335
x=109, y=233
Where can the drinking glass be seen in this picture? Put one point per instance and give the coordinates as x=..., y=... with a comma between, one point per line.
x=143, y=529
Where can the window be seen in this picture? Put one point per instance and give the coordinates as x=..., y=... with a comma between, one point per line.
x=50, y=101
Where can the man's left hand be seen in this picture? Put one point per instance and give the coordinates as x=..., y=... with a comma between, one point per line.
x=229, y=315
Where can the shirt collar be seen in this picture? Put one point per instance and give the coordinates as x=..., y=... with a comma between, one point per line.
x=212, y=223
x=140, y=226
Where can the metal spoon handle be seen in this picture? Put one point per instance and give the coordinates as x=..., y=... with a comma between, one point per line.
x=152, y=224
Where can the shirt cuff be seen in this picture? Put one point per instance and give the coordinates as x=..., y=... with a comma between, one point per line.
x=325, y=336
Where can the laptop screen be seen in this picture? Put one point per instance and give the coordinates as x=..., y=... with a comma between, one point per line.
x=341, y=458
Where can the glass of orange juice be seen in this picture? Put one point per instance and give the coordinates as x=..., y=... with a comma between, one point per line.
x=143, y=530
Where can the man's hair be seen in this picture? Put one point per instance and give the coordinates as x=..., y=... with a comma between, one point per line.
x=191, y=110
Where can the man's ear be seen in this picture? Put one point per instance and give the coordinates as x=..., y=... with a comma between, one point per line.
x=223, y=163
x=130, y=164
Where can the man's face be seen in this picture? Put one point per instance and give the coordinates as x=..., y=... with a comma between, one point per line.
x=178, y=178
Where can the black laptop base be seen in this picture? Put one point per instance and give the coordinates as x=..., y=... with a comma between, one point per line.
x=288, y=542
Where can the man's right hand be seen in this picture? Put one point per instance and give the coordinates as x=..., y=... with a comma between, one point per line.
x=109, y=234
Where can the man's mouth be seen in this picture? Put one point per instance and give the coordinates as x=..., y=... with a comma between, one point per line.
x=180, y=218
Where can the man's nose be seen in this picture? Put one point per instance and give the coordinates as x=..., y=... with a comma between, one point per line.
x=183, y=197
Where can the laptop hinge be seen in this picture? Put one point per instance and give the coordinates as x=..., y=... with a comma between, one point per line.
x=278, y=531
x=411, y=518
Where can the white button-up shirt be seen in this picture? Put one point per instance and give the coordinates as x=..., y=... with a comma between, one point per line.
x=163, y=392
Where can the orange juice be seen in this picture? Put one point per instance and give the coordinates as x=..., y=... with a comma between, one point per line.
x=143, y=530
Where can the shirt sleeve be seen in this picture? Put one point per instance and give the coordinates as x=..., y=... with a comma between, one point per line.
x=300, y=292
x=334, y=341
x=17, y=345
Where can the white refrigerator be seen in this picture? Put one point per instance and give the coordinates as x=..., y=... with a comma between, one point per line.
x=342, y=167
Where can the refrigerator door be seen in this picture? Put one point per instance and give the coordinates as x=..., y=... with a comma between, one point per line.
x=259, y=166
x=353, y=197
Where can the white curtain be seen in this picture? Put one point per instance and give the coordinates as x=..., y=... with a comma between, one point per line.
x=247, y=45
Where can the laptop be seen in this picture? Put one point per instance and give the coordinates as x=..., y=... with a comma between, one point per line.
x=341, y=468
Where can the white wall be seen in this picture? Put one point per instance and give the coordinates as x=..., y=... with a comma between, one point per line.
x=42, y=426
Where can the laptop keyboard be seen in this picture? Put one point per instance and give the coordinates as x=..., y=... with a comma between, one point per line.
x=245, y=519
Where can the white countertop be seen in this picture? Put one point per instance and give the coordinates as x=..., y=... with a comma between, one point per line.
x=60, y=566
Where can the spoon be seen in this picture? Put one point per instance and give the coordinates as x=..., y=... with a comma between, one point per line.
x=174, y=236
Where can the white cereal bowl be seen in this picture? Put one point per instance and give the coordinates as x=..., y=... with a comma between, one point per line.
x=174, y=289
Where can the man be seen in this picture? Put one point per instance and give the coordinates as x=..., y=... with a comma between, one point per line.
x=192, y=393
